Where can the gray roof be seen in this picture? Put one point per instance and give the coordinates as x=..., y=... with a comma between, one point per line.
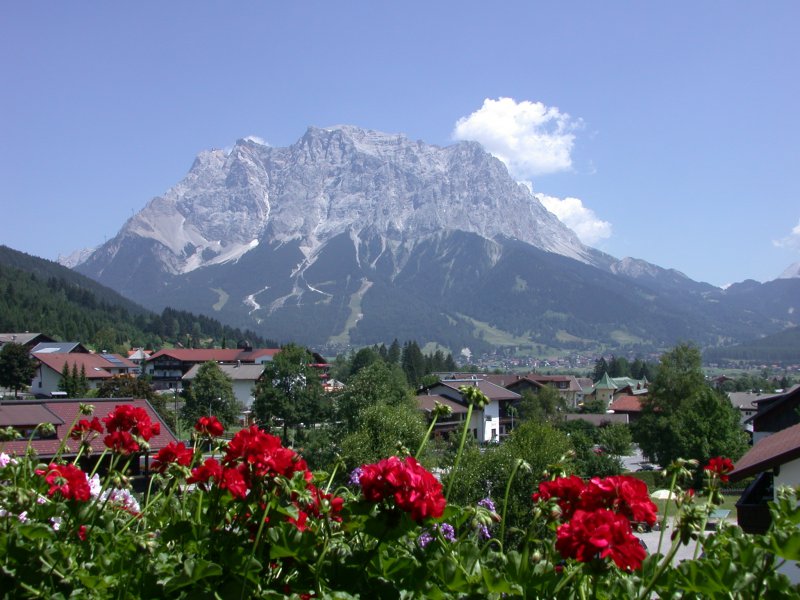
x=242, y=372
x=57, y=347
x=746, y=400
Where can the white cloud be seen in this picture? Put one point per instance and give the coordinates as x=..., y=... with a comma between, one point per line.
x=791, y=241
x=530, y=138
x=582, y=220
x=256, y=139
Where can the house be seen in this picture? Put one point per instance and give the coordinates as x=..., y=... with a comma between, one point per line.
x=167, y=367
x=567, y=386
x=775, y=462
x=454, y=422
x=25, y=416
x=745, y=403
x=243, y=375
x=97, y=368
x=489, y=424
x=59, y=348
x=29, y=340
x=139, y=355
x=607, y=388
x=630, y=406
x=775, y=413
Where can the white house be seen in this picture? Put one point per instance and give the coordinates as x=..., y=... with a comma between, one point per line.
x=96, y=367
x=488, y=424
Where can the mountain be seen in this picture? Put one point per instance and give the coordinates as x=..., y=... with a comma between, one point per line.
x=792, y=271
x=41, y=295
x=782, y=347
x=355, y=237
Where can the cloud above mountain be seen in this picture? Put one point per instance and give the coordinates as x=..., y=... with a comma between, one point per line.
x=792, y=240
x=529, y=137
x=582, y=220
x=533, y=139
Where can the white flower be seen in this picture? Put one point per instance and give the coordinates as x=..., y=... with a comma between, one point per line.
x=94, y=486
x=6, y=460
x=122, y=498
x=23, y=516
x=56, y=523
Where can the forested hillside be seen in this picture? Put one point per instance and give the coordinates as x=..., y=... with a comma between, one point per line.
x=40, y=295
x=783, y=347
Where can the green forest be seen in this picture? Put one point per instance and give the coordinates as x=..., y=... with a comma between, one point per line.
x=40, y=295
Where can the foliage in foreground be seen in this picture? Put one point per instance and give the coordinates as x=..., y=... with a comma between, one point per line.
x=251, y=521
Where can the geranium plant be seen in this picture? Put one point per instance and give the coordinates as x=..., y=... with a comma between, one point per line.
x=247, y=519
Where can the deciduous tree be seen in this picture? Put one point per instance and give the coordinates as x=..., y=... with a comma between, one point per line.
x=211, y=393
x=290, y=390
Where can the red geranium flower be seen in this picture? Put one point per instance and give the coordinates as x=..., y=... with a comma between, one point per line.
x=622, y=494
x=567, y=490
x=209, y=426
x=82, y=533
x=233, y=481
x=263, y=455
x=300, y=521
x=121, y=442
x=414, y=489
x=83, y=427
x=67, y=480
x=600, y=534
x=721, y=466
x=131, y=419
x=173, y=453
x=210, y=469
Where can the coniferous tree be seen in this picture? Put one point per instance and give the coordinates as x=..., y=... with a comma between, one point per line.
x=65, y=382
x=83, y=382
x=17, y=368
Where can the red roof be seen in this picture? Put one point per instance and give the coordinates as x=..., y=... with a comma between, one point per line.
x=95, y=365
x=626, y=404
x=64, y=414
x=769, y=452
x=199, y=355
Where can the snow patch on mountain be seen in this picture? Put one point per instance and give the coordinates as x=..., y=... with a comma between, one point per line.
x=791, y=272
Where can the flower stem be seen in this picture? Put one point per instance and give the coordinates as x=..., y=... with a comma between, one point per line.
x=666, y=510
x=517, y=465
x=454, y=470
x=427, y=435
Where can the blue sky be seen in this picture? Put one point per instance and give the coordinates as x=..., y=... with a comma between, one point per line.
x=668, y=132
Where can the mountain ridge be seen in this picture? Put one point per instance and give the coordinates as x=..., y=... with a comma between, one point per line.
x=349, y=235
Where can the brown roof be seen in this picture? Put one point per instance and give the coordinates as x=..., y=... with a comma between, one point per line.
x=626, y=404
x=95, y=365
x=769, y=452
x=67, y=411
x=19, y=414
x=427, y=402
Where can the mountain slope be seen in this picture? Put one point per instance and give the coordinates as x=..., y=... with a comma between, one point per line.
x=40, y=295
x=355, y=237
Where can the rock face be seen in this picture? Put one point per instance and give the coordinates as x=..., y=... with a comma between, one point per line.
x=351, y=236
